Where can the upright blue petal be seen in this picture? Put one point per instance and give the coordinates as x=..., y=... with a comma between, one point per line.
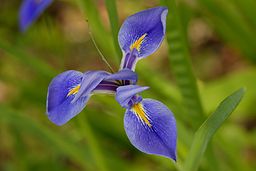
x=142, y=32
x=30, y=10
x=126, y=95
x=61, y=92
x=129, y=60
x=151, y=128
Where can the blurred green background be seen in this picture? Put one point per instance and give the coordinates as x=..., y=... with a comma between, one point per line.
x=219, y=43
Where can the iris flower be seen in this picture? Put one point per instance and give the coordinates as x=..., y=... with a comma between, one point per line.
x=149, y=124
x=30, y=10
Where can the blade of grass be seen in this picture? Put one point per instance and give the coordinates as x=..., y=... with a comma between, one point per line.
x=35, y=63
x=102, y=37
x=20, y=150
x=113, y=19
x=85, y=129
x=228, y=21
x=212, y=157
x=248, y=9
x=209, y=127
x=181, y=65
x=55, y=141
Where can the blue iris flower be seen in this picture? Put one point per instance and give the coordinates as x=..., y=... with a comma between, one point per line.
x=149, y=124
x=30, y=10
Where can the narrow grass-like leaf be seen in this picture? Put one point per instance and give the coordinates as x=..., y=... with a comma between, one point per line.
x=35, y=63
x=84, y=127
x=181, y=65
x=248, y=9
x=229, y=21
x=55, y=141
x=102, y=37
x=113, y=19
x=209, y=127
x=20, y=150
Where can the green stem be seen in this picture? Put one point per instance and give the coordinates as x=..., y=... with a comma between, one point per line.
x=113, y=19
x=96, y=152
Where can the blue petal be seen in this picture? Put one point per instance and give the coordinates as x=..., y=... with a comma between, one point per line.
x=143, y=31
x=90, y=81
x=106, y=87
x=151, y=128
x=125, y=95
x=113, y=81
x=30, y=10
x=59, y=107
x=69, y=92
x=130, y=60
x=96, y=80
x=124, y=74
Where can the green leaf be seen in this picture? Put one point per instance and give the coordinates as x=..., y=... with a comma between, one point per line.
x=209, y=127
x=35, y=63
x=181, y=65
x=113, y=19
x=247, y=9
x=232, y=23
x=85, y=129
x=53, y=140
x=102, y=37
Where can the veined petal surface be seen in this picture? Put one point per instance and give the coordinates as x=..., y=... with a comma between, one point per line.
x=143, y=31
x=104, y=82
x=124, y=74
x=126, y=95
x=151, y=128
x=91, y=79
x=30, y=10
x=59, y=106
x=69, y=92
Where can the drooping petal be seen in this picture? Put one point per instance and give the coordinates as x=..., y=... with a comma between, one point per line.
x=106, y=87
x=61, y=92
x=90, y=81
x=151, y=128
x=69, y=92
x=113, y=81
x=124, y=74
x=30, y=10
x=125, y=95
x=143, y=32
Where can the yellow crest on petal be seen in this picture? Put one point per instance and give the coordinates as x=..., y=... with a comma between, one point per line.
x=74, y=90
x=138, y=42
x=139, y=111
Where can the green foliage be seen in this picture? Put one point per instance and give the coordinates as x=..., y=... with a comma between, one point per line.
x=95, y=139
x=113, y=19
x=204, y=134
x=235, y=20
x=101, y=35
x=181, y=65
x=53, y=140
x=32, y=62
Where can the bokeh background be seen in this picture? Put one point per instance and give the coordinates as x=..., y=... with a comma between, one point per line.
x=221, y=38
